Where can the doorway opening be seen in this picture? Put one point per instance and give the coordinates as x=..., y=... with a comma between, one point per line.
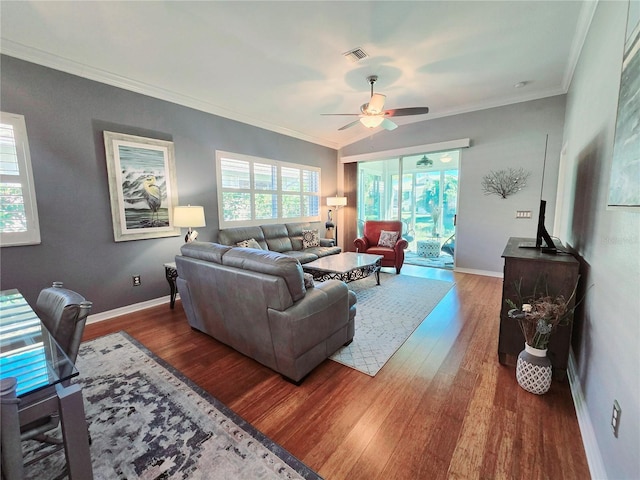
x=421, y=190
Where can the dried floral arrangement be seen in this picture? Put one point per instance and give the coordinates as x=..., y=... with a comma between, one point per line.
x=541, y=313
x=505, y=182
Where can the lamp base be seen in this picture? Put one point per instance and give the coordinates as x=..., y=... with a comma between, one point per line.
x=191, y=236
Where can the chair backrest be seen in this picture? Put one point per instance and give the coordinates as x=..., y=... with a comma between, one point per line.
x=372, y=229
x=64, y=313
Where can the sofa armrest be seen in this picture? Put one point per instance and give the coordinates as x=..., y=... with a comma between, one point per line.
x=361, y=244
x=327, y=242
x=323, y=311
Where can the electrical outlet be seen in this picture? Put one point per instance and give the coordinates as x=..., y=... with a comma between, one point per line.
x=137, y=281
x=523, y=213
x=615, y=418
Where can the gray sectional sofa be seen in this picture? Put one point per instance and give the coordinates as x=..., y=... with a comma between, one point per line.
x=280, y=237
x=256, y=302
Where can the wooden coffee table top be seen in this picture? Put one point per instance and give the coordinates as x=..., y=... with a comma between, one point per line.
x=343, y=262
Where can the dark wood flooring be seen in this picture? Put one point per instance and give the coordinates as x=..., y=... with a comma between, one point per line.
x=442, y=407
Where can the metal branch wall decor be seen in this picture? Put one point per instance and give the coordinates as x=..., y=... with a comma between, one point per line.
x=505, y=182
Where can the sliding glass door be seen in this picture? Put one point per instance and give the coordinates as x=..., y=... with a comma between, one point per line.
x=420, y=190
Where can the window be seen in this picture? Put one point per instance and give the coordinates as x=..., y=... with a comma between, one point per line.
x=256, y=191
x=18, y=211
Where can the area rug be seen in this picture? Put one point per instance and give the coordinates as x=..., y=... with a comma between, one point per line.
x=146, y=421
x=386, y=316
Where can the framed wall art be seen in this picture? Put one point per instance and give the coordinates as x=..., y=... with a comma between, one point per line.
x=142, y=186
x=624, y=185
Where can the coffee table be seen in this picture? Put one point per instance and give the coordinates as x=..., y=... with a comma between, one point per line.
x=347, y=266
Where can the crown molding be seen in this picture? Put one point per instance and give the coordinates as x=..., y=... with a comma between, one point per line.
x=33, y=55
x=587, y=12
x=39, y=57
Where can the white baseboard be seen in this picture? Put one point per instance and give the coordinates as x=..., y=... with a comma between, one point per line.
x=592, y=451
x=486, y=273
x=99, y=317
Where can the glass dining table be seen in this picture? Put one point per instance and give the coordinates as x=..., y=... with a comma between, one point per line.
x=35, y=374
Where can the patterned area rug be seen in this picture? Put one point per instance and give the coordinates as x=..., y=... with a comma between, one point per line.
x=386, y=316
x=146, y=421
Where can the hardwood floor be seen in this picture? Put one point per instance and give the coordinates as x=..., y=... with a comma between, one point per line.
x=442, y=407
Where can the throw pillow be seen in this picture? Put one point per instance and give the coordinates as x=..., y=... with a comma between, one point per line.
x=308, y=281
x=388, y=239
x=310, y=238
x=251, y=243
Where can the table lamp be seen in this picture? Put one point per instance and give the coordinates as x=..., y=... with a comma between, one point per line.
x=189, y=216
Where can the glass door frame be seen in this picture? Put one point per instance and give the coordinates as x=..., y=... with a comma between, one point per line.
x=399, y=177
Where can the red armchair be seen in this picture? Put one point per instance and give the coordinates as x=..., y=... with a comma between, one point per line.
x=368, y=243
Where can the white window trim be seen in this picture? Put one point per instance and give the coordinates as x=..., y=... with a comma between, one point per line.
x=32, y=235
x=262, y=221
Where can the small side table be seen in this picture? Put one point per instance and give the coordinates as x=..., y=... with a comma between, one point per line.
x=171, y=273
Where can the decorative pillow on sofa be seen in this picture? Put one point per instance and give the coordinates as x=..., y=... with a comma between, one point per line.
x=308, y=281
x=310, y=238
x=387, y=239
x=251, y=243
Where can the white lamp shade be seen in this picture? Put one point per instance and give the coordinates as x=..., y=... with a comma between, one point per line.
x=189, y=216
x=336, y=201
x=371, y=121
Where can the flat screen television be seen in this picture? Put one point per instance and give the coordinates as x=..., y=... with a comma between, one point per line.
x=543, y=242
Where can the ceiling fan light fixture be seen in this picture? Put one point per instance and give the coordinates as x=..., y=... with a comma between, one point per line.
x=372, y=113
x=424, y=162
x=446, y=158
x=371, y=121
x=376, y=103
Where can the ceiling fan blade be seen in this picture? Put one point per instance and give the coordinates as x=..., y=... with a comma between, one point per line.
x=376, y=104
x=388, y=124
x=349, y=125
x=402, y=112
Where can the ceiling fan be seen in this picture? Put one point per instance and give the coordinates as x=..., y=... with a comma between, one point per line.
x=372, y=114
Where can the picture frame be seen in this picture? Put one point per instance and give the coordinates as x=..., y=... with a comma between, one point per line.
x=142, y=186
x=624, y=183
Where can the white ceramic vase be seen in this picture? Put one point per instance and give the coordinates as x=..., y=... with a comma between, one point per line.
x=533, y=370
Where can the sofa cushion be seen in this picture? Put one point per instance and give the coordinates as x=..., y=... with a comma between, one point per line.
x=272, y=263
x=231, y=236
x=303, y=256
x=295, y=233
x=323, y=251
x=251, y=243
x=211, y=252
x=310, y=238
x=277, y=237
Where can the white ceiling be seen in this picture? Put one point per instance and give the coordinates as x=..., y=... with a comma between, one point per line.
x=280, y=65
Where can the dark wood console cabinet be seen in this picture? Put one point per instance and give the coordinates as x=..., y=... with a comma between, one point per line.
x=560, y=273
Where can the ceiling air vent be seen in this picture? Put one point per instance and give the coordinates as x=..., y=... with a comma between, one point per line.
x=356, y=54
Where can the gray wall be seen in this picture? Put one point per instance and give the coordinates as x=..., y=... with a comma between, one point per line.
x=607, y=343
x=504, y=137
x=65, y=117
